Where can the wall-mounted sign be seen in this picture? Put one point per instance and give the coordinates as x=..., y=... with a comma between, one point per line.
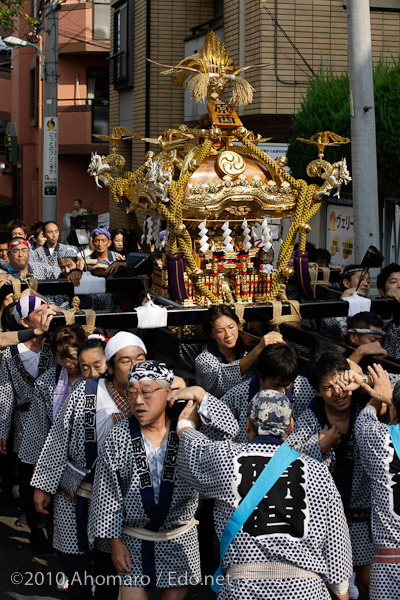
x=340, y=234
x=50, y=156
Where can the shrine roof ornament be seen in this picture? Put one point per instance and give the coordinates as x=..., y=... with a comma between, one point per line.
x=209, y=71
x=216, y=189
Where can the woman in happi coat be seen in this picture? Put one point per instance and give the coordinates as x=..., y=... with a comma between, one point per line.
x=51, y=390
x=225, y=362
x=77, y=358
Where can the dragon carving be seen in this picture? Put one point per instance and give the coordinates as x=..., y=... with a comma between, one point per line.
x=335, y=178
x=159, y=175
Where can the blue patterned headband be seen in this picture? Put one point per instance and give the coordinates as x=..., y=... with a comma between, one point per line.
x=150, y=370
x=101, y=231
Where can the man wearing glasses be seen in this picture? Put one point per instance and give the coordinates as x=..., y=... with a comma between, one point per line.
x=140, y=504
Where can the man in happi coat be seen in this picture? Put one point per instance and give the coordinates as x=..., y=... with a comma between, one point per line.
x=66, y=464
x=325, y=431
x=277, y=369
x=381, y=460
x=50, y=251
x=296, y=540
x=21, y=266
x=140, y=502
x=20, y=366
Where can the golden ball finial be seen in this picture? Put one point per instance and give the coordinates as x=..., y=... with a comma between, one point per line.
x=304, y=228
x=282, y=161
x=179, y=229
x=287, y=272
x=215, y=133
x=196, y=274
x=241, y=132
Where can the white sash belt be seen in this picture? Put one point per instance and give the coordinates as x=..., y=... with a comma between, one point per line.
x=158, y=536
x=268, y=570
x=85, y=489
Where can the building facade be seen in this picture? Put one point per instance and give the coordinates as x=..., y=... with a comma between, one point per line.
x=293, y=37
x=83, y=106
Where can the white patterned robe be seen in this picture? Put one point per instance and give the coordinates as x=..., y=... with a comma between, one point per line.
x=216, y=375
x=382, y=464
x=117, y=501
x=391, y=341
x=17, y=389
x=39, y=256
x=305, y=438
x=300, y=521
x=237, y=400
x=40, y=416
x=66, y=443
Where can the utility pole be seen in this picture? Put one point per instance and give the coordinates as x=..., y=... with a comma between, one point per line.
x=50, y=120
x=363, y=136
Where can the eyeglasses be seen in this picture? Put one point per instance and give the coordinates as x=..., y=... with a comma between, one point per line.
x=146, y=395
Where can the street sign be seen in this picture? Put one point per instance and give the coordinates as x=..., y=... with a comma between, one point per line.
x=50, y=156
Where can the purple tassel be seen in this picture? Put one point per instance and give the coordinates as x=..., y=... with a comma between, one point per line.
x=176, y=282
x=302, y=273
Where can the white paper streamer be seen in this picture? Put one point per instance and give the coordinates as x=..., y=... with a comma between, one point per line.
x=143, y=236
x=149, y=230
x=266, y=235
x=156, y=233
x=246, y=236
x=204, y=246
x=227, y=237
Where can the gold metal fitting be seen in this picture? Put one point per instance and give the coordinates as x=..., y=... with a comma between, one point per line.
x=241, y=132
x=215, y=133
x=196, y=274
x=282, y=161
x=287, y=272
x=304, y=228
x=194, y=164
x=179, y=229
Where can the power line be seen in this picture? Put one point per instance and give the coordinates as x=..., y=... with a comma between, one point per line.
x=288, y=58
x=71, y=35
x=277, y=24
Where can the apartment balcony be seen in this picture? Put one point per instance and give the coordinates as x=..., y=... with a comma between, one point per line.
x=78, y=123
x=84, y=27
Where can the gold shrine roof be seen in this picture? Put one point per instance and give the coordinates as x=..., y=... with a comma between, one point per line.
x=234, y=182
x=229, y=181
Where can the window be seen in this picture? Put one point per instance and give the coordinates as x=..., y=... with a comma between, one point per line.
x=97, y=94
x=33, y=92
x=101, y=20
x=123, y=45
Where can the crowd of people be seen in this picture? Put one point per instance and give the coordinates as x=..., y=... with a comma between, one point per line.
x=123, y=465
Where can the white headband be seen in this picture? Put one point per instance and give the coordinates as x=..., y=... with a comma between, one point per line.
x=120, y=340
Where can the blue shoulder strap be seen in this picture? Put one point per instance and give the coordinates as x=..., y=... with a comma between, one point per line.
x=394, y=432
x=272, y=471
